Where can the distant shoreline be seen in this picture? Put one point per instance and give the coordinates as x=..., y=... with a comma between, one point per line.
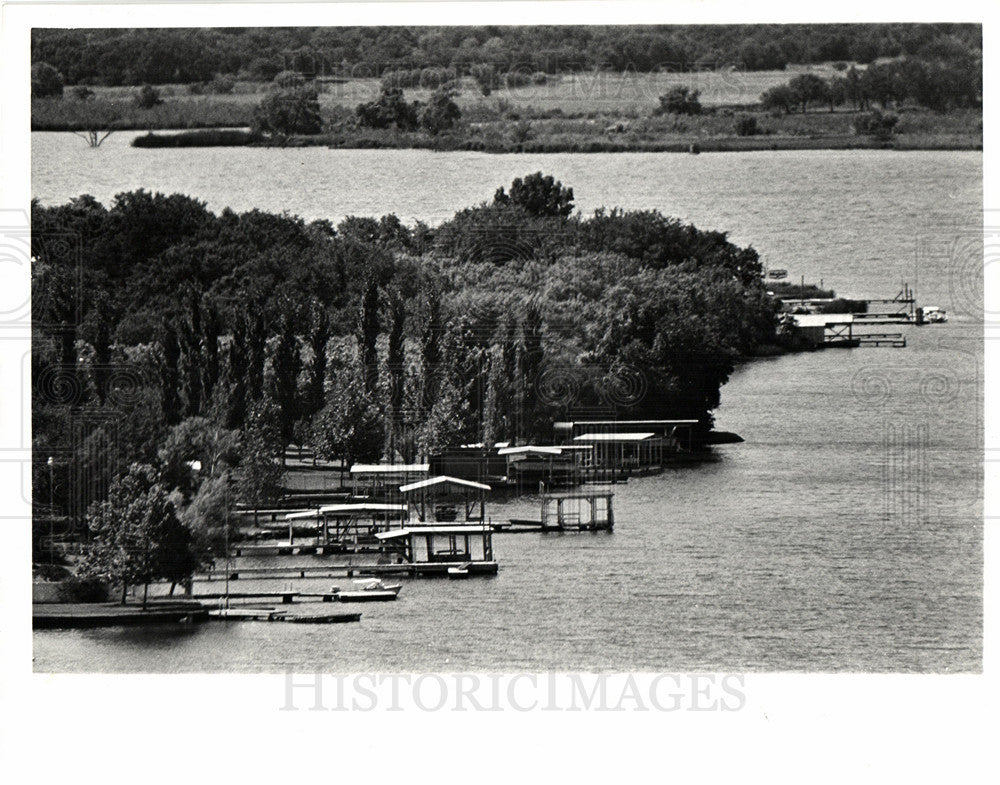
x=464, y=143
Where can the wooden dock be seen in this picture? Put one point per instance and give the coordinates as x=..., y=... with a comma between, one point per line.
x=272, y=614
x=45, y=616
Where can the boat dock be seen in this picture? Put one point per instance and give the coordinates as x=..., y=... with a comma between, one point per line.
x=83, y=615
x=581, y=511
x=270, y=614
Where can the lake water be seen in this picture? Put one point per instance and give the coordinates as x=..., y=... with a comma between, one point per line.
x=845, y=534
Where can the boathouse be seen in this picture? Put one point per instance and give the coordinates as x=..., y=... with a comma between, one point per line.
x=438, y=499
x=530, y=464
x=430, y=550
x=680, y=430
x=629, y=450
x=590, y=510
x=348, y=525
x=381, y=480
x=470, y=462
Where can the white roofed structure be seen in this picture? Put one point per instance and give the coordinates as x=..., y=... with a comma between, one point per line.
x=436, y=499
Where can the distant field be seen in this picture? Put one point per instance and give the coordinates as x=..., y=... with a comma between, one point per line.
x=573, y=93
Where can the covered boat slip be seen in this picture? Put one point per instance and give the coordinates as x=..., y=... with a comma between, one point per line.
x=333, y=528
x=382, y=480
x=531, y=464
x=431, y=550
x=616, y=450
x=590, y=510
x=678, y=430
x=438, y=499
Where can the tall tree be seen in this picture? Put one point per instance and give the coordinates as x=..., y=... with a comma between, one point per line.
x=170, y=374
x=137, y=536
x=367, y=334
x=319, y=335
x=286, y=363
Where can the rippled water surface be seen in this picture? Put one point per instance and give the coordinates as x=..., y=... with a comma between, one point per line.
x=844, y=534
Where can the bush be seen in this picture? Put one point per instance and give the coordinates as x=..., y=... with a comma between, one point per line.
x=441, y=112
x=876, y=124
x=77, y=589
x=746, y=125
x=513, y=79
x=680, y=100
x=46, y=81
x=287, y=80
x=148, y=97
x=204, y=138
x=288, y=112
x=222, y=84
x=82, y=93
x=390, y=109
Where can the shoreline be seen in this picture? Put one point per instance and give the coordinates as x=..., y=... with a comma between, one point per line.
x=680, y=144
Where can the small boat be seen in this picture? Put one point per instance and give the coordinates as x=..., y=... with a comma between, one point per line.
x=459, y=572
x=934, y=315
x=370, y=590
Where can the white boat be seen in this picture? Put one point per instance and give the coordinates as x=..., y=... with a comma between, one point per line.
x=369, y=590
x=934, y=315
x=459, y=572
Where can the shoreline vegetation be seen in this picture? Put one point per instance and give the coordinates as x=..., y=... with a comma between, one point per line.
x=493, y=127
x=205, y=344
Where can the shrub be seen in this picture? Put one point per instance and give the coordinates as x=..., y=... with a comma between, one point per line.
x=75, y=589
x=46, y=81
x=680, y=100
x=288, y=112
x=222, y=84
x=82, y=93
x=148, y=97
x=441, y=112
x=390, y=109
x=876, y=124
x=287, y=80
x=746, y=125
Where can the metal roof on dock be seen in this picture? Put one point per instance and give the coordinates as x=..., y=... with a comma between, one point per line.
x=337, y=509
x=389, y=468
x=613, y=437
x=390, y=535
x=445, y=480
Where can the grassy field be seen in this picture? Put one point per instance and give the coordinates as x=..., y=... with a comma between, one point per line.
x=572, y=94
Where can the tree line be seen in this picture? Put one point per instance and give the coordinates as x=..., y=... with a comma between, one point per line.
x=936, y=84
x=163, y=56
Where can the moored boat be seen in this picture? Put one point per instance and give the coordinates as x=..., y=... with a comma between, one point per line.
x=371, y=590
x=459, y=572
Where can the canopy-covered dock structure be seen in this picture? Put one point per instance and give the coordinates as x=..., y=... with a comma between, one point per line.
x=586, y=510
x=530, y=464
x=347, y=526
x=438, y=499
x=431, y=550
x=679, y=432
x=382, y=480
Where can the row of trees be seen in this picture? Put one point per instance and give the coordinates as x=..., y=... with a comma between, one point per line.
x=162, y=56
x=933, y=84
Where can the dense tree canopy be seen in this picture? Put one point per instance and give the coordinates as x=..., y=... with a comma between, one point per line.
x=162, y=56
x=204, y=344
